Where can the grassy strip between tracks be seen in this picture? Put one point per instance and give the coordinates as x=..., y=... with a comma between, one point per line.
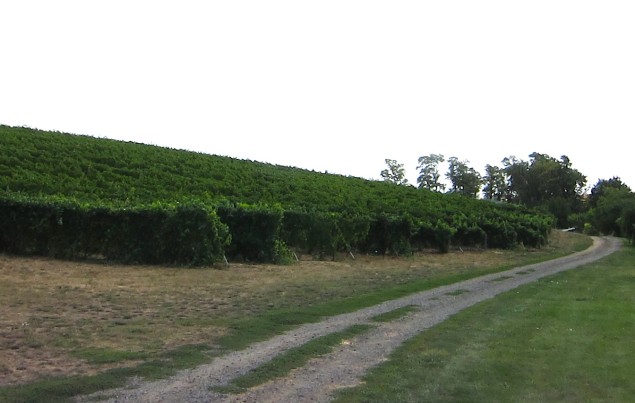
x=395, y=314
x=296, y=357
x=567, y=337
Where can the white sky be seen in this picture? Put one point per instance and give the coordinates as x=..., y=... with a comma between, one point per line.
x=331, y=85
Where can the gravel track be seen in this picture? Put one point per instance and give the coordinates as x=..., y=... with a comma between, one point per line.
x=349, y=361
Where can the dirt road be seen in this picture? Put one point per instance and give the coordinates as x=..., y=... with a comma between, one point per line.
x=344, y=366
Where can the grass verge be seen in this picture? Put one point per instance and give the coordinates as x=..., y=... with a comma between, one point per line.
x=62, y=389
x=568, y=337
x=281, y=365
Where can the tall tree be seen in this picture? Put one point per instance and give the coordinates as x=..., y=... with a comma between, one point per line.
x=516, y=171
x=465, y=180
x=495, y=182
x=627, y=221
x=395, y=173
x=602, y=186
x=546, y=182
x=614, y=213
x=429, y=175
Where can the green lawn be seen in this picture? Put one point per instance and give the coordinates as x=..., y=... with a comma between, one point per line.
x=569, y=337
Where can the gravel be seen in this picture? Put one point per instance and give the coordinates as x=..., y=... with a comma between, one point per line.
x=348, y=362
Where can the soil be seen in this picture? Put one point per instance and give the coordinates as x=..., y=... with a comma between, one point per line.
x=345, y=366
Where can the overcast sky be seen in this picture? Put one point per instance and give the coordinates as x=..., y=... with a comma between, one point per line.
x=334, y=86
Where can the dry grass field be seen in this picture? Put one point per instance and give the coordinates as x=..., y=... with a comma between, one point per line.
x=62, y=318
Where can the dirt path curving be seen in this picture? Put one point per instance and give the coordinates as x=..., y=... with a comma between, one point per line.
x=344, y=366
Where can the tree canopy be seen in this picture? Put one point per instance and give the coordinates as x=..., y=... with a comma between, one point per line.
x=541, y=182
x=429, y=176
x=465, y=180
x=395, y=173
x=612, y=208
x=495, y=183
x=546, y=182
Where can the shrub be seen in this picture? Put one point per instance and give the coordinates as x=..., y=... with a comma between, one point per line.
x=254, y=231
x=184, y=235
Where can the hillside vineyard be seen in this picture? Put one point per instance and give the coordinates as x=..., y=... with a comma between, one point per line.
x=71, y=196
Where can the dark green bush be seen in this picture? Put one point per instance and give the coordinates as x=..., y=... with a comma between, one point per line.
x=254, y=231
x=499, y=234
x=322, y=233
x=390, y=234
x=183, y=235
x=443, y=234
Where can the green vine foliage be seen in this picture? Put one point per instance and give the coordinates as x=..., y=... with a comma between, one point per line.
x=181, y=235
x=254, y=232
x=77, y=196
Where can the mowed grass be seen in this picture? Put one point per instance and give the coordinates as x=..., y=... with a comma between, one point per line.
x=565, y=338
x=100, y=324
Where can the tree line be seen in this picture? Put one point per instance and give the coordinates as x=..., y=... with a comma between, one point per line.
x=543, y=182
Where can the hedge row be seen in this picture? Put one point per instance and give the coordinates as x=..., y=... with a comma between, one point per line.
x=201, y=235
x=255, y=233
x=403, y=234
x=261, y=233
x=179, y=235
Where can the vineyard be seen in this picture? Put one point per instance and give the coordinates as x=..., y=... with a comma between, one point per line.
x=76, y=197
